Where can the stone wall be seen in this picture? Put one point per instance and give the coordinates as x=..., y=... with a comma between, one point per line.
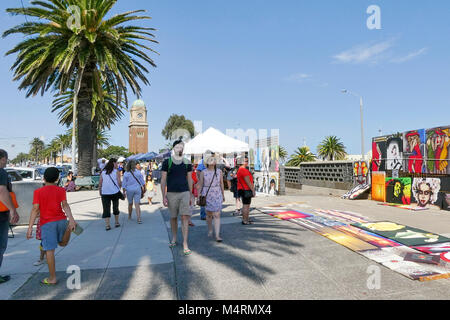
x=325, y=174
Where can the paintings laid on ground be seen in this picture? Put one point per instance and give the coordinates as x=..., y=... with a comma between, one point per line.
x=414, y=253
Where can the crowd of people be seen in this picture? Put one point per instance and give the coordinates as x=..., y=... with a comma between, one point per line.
x=182, y=185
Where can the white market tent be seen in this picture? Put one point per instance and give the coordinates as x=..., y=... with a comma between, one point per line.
x=215, y=141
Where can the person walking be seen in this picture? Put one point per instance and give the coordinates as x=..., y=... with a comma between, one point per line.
x=9, y=213
x=200, y=168
x=234, y=190
x=176, y=186
x=211, y=186
x=151, y=188
x=133, y=188
x=109, y=189
x=56, y=219
x=246, y=189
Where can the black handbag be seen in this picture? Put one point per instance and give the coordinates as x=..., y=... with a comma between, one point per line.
x=201, y=202
x=118, y=194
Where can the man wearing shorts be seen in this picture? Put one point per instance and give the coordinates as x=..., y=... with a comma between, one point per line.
x=176, y=183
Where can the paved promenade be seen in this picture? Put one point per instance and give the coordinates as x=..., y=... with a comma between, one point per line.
x=271, y=259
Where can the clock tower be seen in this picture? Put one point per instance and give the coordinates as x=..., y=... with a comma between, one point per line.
x=138, y=128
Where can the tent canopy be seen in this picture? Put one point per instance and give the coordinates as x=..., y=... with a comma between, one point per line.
x=215, y=141
x=147, y=157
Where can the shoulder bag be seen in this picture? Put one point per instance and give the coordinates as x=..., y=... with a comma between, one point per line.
x=119, y=194
x=142, y=187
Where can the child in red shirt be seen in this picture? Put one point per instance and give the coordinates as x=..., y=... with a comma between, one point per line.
x=51, y=202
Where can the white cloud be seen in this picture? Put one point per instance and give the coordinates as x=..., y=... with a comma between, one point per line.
x=410, y=56
x=298, y=77
x=370, y=53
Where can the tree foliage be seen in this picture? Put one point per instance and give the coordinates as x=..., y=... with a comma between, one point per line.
x=302, y=154
x=60, y=49
x=174, y=124
x=331, y=148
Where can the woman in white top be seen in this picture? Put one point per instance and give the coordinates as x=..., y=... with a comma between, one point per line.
x=133, y=187
x=109, y=188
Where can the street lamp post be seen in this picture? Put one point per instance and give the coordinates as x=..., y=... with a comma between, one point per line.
x=362, y=124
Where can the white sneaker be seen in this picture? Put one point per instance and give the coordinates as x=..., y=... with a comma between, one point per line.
x=39, y=262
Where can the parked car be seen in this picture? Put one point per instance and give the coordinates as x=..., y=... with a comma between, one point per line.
x=62, y=170
x=29, y=174
x=14, y=175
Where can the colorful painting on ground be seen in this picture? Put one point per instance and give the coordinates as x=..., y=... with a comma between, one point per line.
x=435, y=248
x=418, y=271
x=369, y=237
x=403, y=206
x=437, y=148
x=406, y=235
x=414, y=151
x=379, y=186
x=408, y=261
x=287, y=215
x=342, y=216
x=398, y=190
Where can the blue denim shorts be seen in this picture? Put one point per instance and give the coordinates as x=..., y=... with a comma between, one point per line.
x=52, y=233
x=134, y=194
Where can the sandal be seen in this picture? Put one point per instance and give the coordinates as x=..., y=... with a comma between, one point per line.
x=117, y=225
x=45, y=281
x=108, y=228
x=191, y=224
x=246, y=223
x=172, y=244
x=219, y=240
x=187, y=252
x=139, y=222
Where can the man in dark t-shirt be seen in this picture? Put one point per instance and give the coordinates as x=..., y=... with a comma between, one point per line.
x=5, y=198
x=176, y=188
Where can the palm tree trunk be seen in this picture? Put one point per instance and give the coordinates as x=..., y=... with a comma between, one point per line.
x=95, y=146
x=84, y=114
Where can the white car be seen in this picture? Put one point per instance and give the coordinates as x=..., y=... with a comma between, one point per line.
x=29, y=174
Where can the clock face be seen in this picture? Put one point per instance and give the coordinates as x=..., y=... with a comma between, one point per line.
x=140, y=115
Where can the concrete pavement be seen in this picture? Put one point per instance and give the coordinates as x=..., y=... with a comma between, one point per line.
x=271, y=259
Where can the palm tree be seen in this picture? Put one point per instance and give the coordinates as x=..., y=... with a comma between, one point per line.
x=60, y=49
x=331, y=148
x=37, y=146
x=283, y=153
x=302, y=154
x=62, y=142
x=105, y=113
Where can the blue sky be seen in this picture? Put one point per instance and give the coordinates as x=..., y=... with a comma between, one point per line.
x=272, y=65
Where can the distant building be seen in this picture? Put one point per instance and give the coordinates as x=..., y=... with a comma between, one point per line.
x=138, y=128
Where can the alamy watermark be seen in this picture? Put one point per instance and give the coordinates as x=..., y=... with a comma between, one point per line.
x=74, y=280
x=374, y=280
x=374, y=21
